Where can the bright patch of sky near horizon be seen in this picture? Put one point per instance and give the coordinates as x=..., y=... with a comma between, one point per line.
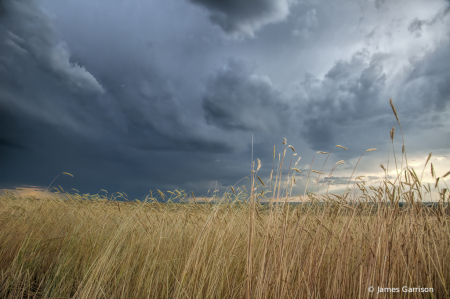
x=139, y=95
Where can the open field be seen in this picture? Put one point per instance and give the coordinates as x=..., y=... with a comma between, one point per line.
x=98, y=249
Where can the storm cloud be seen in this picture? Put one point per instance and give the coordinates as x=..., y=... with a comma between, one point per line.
x=28, y=34
x=237, y=99
x=143, y=95
x=245, y=17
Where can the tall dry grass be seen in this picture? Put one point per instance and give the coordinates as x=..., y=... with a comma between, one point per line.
x=82, y=246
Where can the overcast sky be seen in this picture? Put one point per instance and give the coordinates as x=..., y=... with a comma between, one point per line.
x=139, y=95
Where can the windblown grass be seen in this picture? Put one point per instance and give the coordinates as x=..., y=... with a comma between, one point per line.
x=78, y=246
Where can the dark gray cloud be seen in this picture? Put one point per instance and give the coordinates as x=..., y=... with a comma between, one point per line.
x=26, y=31
x=416, y=27
x=428, y=80
x=57, y=117
x=379, y=3
x=238, y=99
x=245, y=17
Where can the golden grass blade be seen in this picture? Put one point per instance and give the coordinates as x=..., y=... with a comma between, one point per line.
x=232, y=189
x=325, y=153
x=68, y=174
x=341, y=147
x=296, y=170
x=292, y=148
x=316, y=171
x=259, y=165
x=371, y=149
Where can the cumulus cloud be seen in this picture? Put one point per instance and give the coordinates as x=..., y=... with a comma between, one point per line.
x=348, y=93
x=428, y=80
x=306, y=24
x=379, y=3
x=237, y=99
x=245, y=17
x=27, y=33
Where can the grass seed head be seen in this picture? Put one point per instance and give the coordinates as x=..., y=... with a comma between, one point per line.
x=428, y=159
x=395, y=112
x=341, y=147
x=316, y=171
x=392, y=133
